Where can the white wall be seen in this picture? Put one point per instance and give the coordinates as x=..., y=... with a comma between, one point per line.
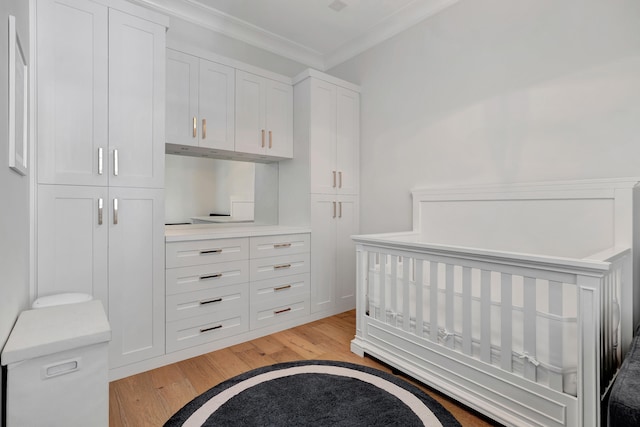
x=182, y=32
x=14, y=190
x=197, y=187
x=498, y=91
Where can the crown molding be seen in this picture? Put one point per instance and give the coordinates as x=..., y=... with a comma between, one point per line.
x=220, y=22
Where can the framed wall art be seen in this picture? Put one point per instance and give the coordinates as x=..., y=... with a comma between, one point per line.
x=18, y=102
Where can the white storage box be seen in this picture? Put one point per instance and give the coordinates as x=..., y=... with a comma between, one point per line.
x=57, y=371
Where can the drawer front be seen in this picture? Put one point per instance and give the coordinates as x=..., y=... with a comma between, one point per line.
x=209, y=301
x=274, y=290
x=199, y=252
x=280, y=266
x=288, y=308
x=268, y=246
x=201, y=277
x=194, y=331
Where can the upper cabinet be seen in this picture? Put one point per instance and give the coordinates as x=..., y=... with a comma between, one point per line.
x=97, y=97
x=264, y=116
x=200, y=102
x=334, y=135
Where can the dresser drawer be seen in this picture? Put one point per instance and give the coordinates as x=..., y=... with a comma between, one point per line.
x=209, y=301
x=285, y=309
x=200, y=277
x=199, y=252
x=194, y=331
x=268, y=246
x=280, y=266
x=274, y=290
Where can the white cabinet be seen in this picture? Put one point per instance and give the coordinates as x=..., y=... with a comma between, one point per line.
x=320, y=185
x=100, y=87
x=334, y=139
x=264, y=116
x=200, y=102
x=334, y=219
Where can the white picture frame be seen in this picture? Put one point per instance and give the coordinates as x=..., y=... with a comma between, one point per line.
x=18, y=102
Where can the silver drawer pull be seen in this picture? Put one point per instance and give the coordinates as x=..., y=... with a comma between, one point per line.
x=210, y=329
x=281, y=266
x=211, y=276
x=210, y=301
x=281, y=245
x=282, y=288
x=276, y=312
x=211, y=251
x=100, y=208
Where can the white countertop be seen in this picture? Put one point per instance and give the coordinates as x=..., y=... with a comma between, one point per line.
x=181, y=233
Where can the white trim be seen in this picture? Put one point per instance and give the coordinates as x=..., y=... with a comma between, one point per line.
x=310, y=72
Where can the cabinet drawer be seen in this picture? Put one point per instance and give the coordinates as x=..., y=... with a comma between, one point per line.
x=279, y=266
x=274, y=290
x=209, y=301
x=200, y=277
x=292, y=307
x=199, y=252
x=193, y=331
x=268, y=246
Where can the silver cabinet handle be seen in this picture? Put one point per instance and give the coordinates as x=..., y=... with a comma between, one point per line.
x=281, y=266
x=281, y=245
x=100, y=211
x=211, y=276
x=100, y=161
x=276, y=312
x=334, y=209
x=115, y=162
x=204, y=128
x=210, y=251
x=115, y=211
x=339, y=209
x=210, y=301
x=334, y=179
x=340, y=179
x=281, y=288
x=262, y=138
x=270, y=139
x=195, y=126
x=212, y=328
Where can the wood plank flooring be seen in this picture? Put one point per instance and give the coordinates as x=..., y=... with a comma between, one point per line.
x=150, y=398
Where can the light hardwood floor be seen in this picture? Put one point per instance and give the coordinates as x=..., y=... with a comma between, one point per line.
x=150, y=398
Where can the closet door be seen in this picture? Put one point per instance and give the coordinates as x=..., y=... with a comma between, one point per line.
x=73, y=224
x=136, y=274
x=137, y=71
x=348, y=141
x=251, y=132
x=323, y=137
x=323, y=252
x=182, y=99
x=347, y=225
x=72, y=82
x=217, y=106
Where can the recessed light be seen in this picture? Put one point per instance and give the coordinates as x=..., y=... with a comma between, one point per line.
x=337, y=5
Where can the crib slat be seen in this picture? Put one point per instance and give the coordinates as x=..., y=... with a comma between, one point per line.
x=450, y=340
x=418, y=265
x=406, y=282
x=466, y=311
x=506, y=321
x=383, y=288
x=530, y=327
x=371, y=283
x=556, y=332
x=393, y=286
x=485, y=316
x=433, y=309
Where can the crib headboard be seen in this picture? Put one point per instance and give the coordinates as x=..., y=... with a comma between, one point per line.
x=568, y=219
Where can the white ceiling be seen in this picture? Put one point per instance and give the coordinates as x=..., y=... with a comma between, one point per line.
x=307, y=31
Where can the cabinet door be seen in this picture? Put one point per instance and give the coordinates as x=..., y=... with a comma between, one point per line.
x=72, y=240
x=250, y=113
x=279, y=116
x=347, y=225
x=323, y=252
x=136, y=274
x=136, y=101
x=323, y=138
x=72, y=84
x=182, y=98
x=348, y=141
x=217, y=105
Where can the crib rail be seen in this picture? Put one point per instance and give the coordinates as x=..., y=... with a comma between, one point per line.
x=553, y=321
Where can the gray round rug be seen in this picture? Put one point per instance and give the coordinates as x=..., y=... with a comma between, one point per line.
x=313, y=393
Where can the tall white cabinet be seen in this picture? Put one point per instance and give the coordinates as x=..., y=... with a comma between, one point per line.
x=320, y=186
x=100, y=77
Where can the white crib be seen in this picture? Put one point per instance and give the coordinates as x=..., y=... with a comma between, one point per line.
x=518, y=300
